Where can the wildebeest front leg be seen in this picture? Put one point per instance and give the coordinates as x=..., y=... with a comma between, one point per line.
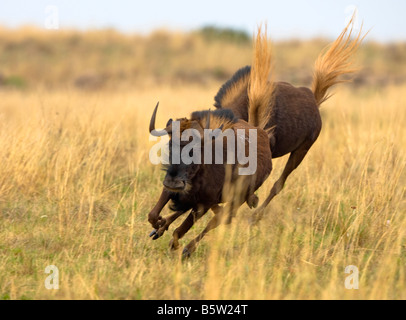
x=252, y=201
x=154, y=217
x=213, y=223
x=156, y=234
x=186, y=225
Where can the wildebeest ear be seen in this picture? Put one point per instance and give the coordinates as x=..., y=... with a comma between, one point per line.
x=169, y=122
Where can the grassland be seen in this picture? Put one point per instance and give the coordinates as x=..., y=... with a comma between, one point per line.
x=100, y=60
x=76, y=186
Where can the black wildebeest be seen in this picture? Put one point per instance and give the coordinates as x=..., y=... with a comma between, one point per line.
x=287, y=117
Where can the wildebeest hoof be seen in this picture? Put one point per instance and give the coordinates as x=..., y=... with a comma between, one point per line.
x=174, y=245
x=188, y=250
x=186, y=253
x=253, y=221
x=156, y=234
x=160, y=232
x=256, y=217
x=253, y=201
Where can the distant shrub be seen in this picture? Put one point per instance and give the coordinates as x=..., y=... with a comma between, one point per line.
x=224, y=34
x=14, y=81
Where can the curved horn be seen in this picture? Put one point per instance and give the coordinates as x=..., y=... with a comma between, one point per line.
x=152, y=130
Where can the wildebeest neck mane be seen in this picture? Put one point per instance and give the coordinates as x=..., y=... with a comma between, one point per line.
x=224, y=118
x=233, y=88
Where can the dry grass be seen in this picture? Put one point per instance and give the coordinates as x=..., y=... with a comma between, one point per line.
x=76, y=187
x=76, y=184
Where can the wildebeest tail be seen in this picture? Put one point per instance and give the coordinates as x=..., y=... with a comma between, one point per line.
x=261, y=89
x=335, y=61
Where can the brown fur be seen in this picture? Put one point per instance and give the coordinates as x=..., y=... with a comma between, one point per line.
x=294, y=119
x=287, y=120
x=210, y=184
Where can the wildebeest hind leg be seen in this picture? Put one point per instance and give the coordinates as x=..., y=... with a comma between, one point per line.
x=294, y=161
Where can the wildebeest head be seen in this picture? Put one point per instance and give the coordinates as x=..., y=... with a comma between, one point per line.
x=188, y=145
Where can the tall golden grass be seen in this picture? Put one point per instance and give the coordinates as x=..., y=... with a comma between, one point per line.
x=76, y=186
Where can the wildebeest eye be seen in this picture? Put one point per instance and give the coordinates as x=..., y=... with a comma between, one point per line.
x=191, y=153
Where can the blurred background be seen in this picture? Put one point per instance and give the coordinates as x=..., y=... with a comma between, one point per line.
x=95, y=45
